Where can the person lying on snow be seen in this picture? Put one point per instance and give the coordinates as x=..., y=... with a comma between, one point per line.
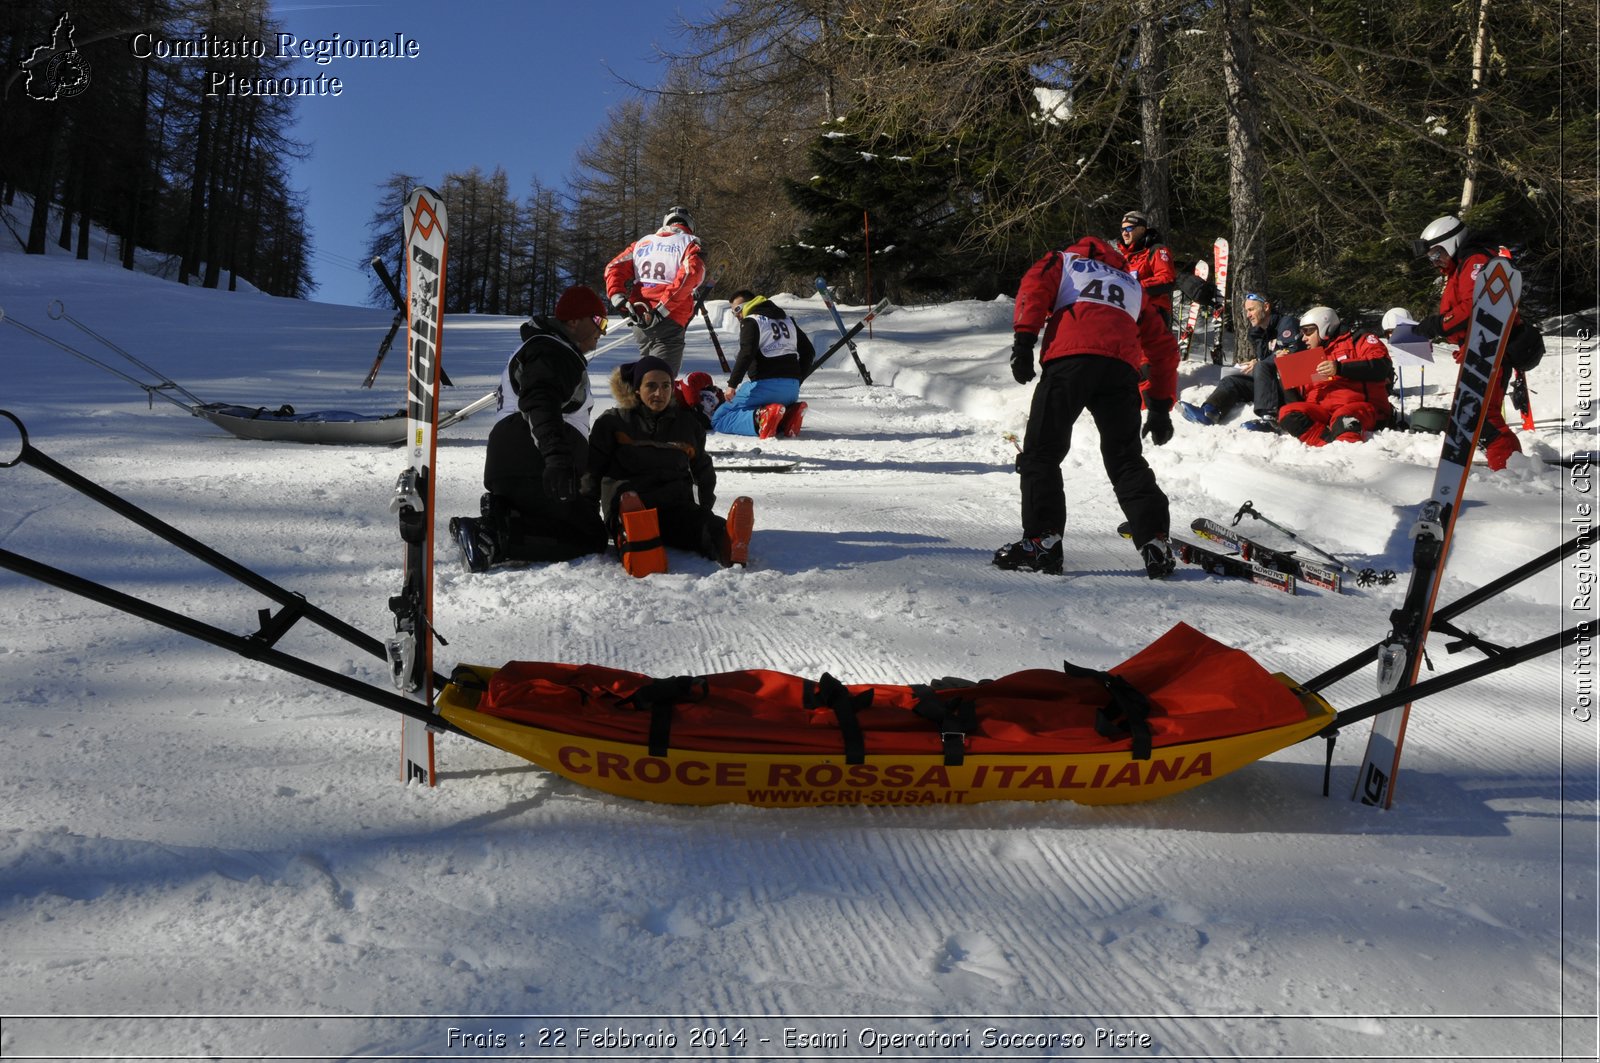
x=1097, y=335
x=649, y=453
x=1349, y=392
x=777, y=354
x=532, y=509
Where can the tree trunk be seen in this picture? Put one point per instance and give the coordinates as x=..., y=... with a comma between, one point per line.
x=1247, y=250
x=1479, y=43
x=1152, y=83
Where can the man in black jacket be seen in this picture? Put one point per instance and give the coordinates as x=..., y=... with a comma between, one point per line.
x=533, y=509
x=1270, y=334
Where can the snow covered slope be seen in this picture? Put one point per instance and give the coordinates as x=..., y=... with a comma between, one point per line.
x=186, y=833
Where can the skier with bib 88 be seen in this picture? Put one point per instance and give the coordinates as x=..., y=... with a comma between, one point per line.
x=652, y=282
x=1092, y=313
x=1444, y=242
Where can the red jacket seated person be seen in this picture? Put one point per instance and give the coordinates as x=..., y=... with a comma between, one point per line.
x=1349, y=395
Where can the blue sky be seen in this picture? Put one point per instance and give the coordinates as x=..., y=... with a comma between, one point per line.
x=520, y=85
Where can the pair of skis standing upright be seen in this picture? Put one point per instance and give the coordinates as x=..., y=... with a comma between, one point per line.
x=1400, y=655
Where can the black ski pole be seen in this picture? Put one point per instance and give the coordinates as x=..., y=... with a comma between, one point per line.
x=1249, y=510
x=833, y=308
x=880, y=310
x=705, y=315
x=394, y=326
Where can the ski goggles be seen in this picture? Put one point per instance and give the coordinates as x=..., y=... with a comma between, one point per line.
x=601, y=322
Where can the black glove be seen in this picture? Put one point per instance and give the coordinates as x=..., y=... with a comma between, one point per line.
x=1022, y=356
x=558, y=479
x=657, y=316
x=1432, y=327
x=1158, y=422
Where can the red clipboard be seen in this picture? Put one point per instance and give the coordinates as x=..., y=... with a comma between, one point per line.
x=1296, y=368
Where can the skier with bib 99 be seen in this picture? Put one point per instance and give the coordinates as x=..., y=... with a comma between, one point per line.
x=653, y=280
x=1091, y=311
x=777, y=354
x=1444, y=243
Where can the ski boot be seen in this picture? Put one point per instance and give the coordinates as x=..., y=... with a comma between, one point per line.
x=475, y=542
x=789, y=427
x=768, y=418
x=1036, y=554
x=1158, y=559
x=1205, y=414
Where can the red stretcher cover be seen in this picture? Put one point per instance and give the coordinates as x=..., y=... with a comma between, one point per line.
x=1198, y=688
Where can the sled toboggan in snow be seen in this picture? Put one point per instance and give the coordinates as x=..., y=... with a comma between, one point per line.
x=1181, y=712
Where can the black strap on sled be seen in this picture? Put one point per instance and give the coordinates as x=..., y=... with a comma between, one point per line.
x=1126, y=715
x=659, y=697
x=829, y=693
x=956, y=719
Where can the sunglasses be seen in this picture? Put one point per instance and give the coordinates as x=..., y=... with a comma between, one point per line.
x=1129, y=228
x=1255, y=297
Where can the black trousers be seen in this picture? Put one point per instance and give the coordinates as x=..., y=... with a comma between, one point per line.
x=1260, y=387
x=530, y=524
x=1109, y=389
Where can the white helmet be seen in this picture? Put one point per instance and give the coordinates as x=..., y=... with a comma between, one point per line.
x=678, y=216
x=1323, y=319
x=1396, y=317
x=1445, y=233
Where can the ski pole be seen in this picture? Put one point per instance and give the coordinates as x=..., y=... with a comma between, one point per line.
x=150, y=390
x=57, y=311
x=716, y=341
x=833, y=308
x=394, y=326
x=1249, y=510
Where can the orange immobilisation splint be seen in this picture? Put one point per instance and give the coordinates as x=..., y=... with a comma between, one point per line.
x=640, y=542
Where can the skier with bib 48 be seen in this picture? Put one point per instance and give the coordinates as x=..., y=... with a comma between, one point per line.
x=777, y=354
x=653, y=280
x=1090, y=309
x=1349, y=392
x=1444, y=243
x=533, y=510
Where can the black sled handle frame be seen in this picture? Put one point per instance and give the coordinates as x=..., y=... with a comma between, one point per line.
x=257, y=646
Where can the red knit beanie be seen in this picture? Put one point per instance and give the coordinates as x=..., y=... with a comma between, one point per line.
x=579, y=302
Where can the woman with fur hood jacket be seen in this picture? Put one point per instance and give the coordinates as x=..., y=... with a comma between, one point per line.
x=652, y=446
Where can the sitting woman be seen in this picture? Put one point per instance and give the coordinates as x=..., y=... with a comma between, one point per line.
x=649, y=452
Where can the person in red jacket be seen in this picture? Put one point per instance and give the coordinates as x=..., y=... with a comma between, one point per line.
x=1349, y=393
x=1459, y=262
x=653, y=281
x=1092, y=313
x=1150, y=260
